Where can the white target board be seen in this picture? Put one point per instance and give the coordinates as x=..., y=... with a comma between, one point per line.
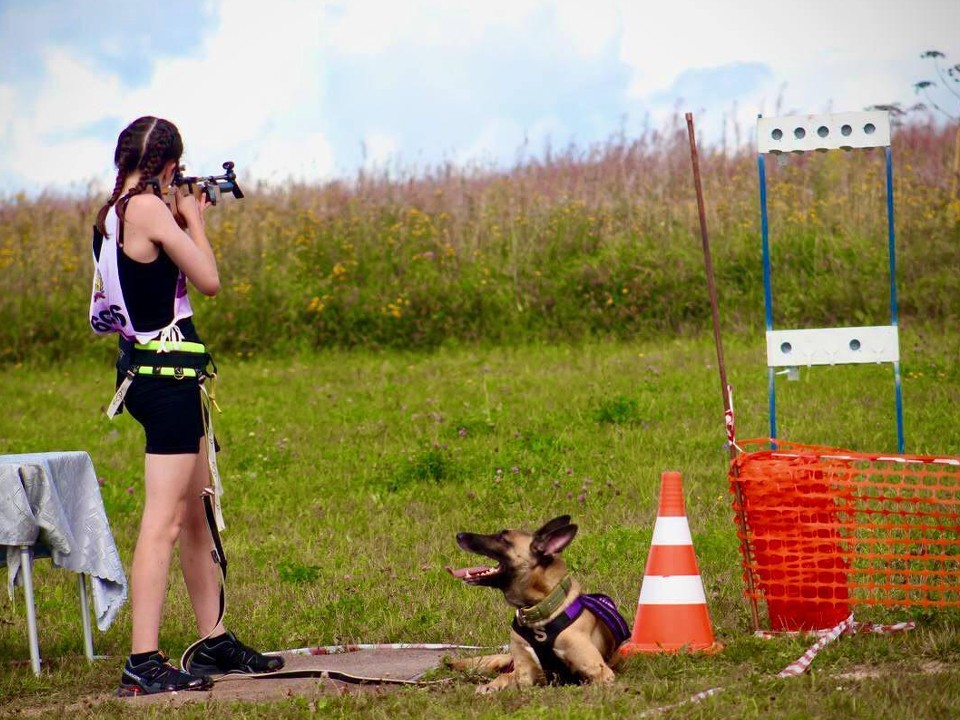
x=833, y=346
x=835, y=131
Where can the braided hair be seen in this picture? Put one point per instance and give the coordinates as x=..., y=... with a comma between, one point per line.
x=146, y=144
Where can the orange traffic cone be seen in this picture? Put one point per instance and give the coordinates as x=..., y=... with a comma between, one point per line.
x=672, y=612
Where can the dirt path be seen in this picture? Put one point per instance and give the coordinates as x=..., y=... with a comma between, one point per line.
x=396, y=665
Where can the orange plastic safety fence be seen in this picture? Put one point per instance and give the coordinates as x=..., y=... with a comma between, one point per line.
x=824, y=529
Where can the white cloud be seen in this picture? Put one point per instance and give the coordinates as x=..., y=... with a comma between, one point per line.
x=8, y=105
x=70, y=92
x=370, y=27
x=281, y=158
x=254, y=73
x=41, y=145
x=823, y=55
x=816, y=47
x=256, y=88
x=52, y=163
x=380, y=150
x=589, y=26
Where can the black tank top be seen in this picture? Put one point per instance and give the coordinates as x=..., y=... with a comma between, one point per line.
x=148, y=289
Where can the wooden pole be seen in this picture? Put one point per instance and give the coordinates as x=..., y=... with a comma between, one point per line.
x=724, y=387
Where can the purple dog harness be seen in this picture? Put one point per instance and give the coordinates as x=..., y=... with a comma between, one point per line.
x=541, y=639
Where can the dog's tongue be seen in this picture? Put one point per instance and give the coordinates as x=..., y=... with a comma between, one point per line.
x=465, y=573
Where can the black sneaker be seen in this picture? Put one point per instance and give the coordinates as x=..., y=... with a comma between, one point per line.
x=157, y=675
x=225, y=654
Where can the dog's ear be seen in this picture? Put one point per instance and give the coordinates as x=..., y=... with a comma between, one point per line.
x=554, y=540
x=556, y=523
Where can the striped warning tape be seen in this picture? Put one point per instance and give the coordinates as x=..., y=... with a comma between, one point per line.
x=812, y=453
x=689, y=701
x=861, y=627
x=799, y=666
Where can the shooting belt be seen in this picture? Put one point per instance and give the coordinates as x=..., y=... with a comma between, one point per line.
x=174, y=359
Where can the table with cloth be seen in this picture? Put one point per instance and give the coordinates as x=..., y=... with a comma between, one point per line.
x=50, y=504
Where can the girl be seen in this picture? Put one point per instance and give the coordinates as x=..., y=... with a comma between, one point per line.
x=144, y=252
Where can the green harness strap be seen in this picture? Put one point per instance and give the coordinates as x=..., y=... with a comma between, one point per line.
x=546, y=607
x=157, y=358
x=181, y=346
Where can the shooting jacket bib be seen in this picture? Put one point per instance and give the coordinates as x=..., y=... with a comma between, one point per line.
x=108, y=310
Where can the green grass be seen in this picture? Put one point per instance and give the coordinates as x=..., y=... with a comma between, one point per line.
x=407, y=357
x=348, y=473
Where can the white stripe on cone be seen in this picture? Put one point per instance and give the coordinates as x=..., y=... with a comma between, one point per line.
x=672, y=531
x=672, y=590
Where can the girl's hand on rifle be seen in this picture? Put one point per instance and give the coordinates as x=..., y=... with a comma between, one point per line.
x=186, y=209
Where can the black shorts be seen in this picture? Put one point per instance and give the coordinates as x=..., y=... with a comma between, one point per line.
x=170, y=412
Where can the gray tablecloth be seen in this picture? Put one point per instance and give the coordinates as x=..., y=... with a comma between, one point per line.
x=52, y=501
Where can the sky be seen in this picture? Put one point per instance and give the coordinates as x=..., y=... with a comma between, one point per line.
x=316, y=90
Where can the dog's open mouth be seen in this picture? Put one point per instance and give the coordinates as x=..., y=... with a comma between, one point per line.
x=475, y=574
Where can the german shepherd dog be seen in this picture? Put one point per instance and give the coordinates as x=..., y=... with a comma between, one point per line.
x=559, y=636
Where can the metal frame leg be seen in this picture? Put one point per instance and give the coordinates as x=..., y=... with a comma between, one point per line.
x=26, y=567
x=85, y=615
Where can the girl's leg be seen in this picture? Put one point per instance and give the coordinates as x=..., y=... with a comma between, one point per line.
x=222, y=652
x=168, y=479
x=200, y=573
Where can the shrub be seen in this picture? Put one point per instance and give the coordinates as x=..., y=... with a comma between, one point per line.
x=596, y=242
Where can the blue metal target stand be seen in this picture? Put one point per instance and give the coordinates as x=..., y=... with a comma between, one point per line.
x=789, y=350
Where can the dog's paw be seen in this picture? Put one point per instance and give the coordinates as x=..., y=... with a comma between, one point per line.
x=601, y=676
x=496, y=685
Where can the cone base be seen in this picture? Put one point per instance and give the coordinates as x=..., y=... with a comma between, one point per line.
x=631, y=648
x=671, y=628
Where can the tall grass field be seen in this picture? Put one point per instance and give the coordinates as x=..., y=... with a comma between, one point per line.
x=402, y=358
